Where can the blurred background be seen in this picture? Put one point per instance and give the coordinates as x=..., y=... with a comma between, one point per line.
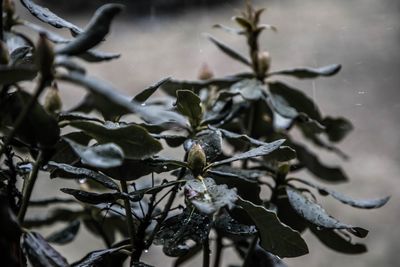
x=162, y=38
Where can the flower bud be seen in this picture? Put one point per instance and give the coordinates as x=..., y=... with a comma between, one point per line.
x=52, y=102
x=44, y=56
x=264, y=61
x=196, y=160
x=4, y=55
x=205, y=72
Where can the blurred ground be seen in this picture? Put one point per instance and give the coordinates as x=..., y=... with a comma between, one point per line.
x=362, y=35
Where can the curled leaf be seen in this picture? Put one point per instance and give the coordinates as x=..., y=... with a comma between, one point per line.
x=316, y=215
x=309, y=73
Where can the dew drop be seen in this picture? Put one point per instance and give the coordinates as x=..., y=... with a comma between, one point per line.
x=146, y=251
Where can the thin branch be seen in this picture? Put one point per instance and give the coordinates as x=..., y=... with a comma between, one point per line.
x=206, y=253
x=28, y=187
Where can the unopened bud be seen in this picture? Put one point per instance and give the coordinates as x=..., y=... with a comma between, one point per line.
x=44, y=56
x=196, y=160
x=4, y=55
x=264, y=61
x=52, y=101
x=205, y=72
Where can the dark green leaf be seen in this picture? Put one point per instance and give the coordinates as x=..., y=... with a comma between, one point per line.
x=101, y=156
x=335, y=240
x=177, y=230
x=38, y=129
x=228, y=226
x=94, y=56
x=189, y=105
x=255, y=152
x=357, y=203
x=316, y=215
x=98, y=258
x=63, y=151
x=171, y=86
x=249, y=89
x=134, y=140
x=312, y=163
x=229, y=29
x=51, y=36
x=231, y=135
x=40, y=253
x=245, y=181
x=95, y=31
x=192, y=251
x=171, y=140
x=134, y=169
x=307, y=73
x=283, y=153
x=208, y=197
x=65, y=235
x=295, y=99
x=68, y=171
x=92, y=198
x=54, y=216
x=104, y=97
x=230, y=51
x=262, y=258
x=149, y=91
x=337, y=128
x=45, y=15
x=276, y=237
x=14, y=74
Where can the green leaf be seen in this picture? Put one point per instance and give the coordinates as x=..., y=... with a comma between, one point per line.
x=277, y=238
x=229, y=51
x=249, y=89
x=39, y=129
x=91, y=197
x=313, y=164
x=245, y=181
x=99, y=258
x=283, y=153
x=149, y=91
x=229, y=29
x=54, y=216
x=101, y=156
x=95, y=56
x=65, y=235
x=189, y=105
x=178, y=229
x=295, y=99
x=45, y=15
x=95, y=31
x=228, y=226
x=209, y=140
x=50, y=35
x=171, y=86
x=252, y=153
x=40, y=253
x=134, y=169
x=316, y=215
x=337, y=128
x=335, y=240
x=309, y=73
x=208, y=197
x=68, y=171
x=103, y=96
x=134, y=140
x=14, y=74
x=357, y=203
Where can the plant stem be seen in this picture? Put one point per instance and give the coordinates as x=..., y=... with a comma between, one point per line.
x=206, y=253
x=167, y=207
x=250, y=251
x=218, y=250
x=1, y=21
x=128, y=211
x=28, y=187
x=21, y=118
